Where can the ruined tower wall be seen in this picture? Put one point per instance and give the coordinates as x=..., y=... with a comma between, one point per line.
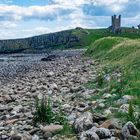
x=116, y=23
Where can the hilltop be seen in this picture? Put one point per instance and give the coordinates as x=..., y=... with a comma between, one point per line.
x=75, y=38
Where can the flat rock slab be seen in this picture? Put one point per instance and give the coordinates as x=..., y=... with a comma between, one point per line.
x=52, y=128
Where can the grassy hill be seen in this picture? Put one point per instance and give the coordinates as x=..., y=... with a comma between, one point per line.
x=123, y=54
x=95, y=34
x=75, y=38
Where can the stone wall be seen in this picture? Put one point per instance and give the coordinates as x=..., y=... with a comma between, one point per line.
x=116, y=24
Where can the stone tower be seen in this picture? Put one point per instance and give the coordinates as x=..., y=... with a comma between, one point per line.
x=116, y=24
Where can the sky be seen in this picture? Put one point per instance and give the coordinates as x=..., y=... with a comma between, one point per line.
x=25, y=18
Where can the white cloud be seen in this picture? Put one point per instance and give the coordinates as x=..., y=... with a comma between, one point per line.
x=21, y=33
x=42, y=30
x=79, y=19
x=7, y=25
x=72, y=2
x=110, y=2
x=113, y=5
x=133, y=21
x=14, y=12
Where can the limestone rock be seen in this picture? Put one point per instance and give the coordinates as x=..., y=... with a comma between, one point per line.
x=95, y=134
x=52, y=128
x=124, y=108
x=35, y=137
x=84, y=122
x=11, y=121
x=103, y=133
x=129, y=130
x=61, y=137
x=33, y=131
x=101, y=105
x=107, y=112
x=40, y=96
x=89, y=135
x=106, y=96
x=47, y=135
x=75, y=88
x=6, y=99
x=111, y=124
x=127, y=98
x=16, y=137
x=26, y=137
x=4, y=137
x=72, y=117
x=51, y=73
x=54, y=86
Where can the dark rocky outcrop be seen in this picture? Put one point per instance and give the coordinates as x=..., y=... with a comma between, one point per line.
x=64, y=39
x=49, y=58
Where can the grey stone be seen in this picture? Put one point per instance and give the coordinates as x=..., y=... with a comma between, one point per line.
x=101, y=105
x=84, y=122
x=107, y=95
x=127, y=98
x=47, y=135
x=89, y=135
x=103, y=133
x=124, y=108
x=51, y=73
x=26, y=137
x=4, y=137
x=35, y=137
x=52, y=128
x=71, y=118
x=33, y=131
x=129, y=130
x=16, y=137
x=107, y=112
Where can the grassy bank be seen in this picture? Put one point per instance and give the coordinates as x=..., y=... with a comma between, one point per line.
x=122, y=54
x=88, y=36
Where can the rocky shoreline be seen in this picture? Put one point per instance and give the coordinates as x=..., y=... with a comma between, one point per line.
x=16, y=65
x=63, y=81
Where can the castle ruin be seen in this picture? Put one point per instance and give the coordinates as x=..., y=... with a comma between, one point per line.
x=116, y=24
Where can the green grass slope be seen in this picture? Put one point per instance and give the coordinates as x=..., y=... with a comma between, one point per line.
x=123, y=54
x=88, y=36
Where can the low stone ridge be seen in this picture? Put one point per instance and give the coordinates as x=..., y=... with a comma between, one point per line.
x=40, y=43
